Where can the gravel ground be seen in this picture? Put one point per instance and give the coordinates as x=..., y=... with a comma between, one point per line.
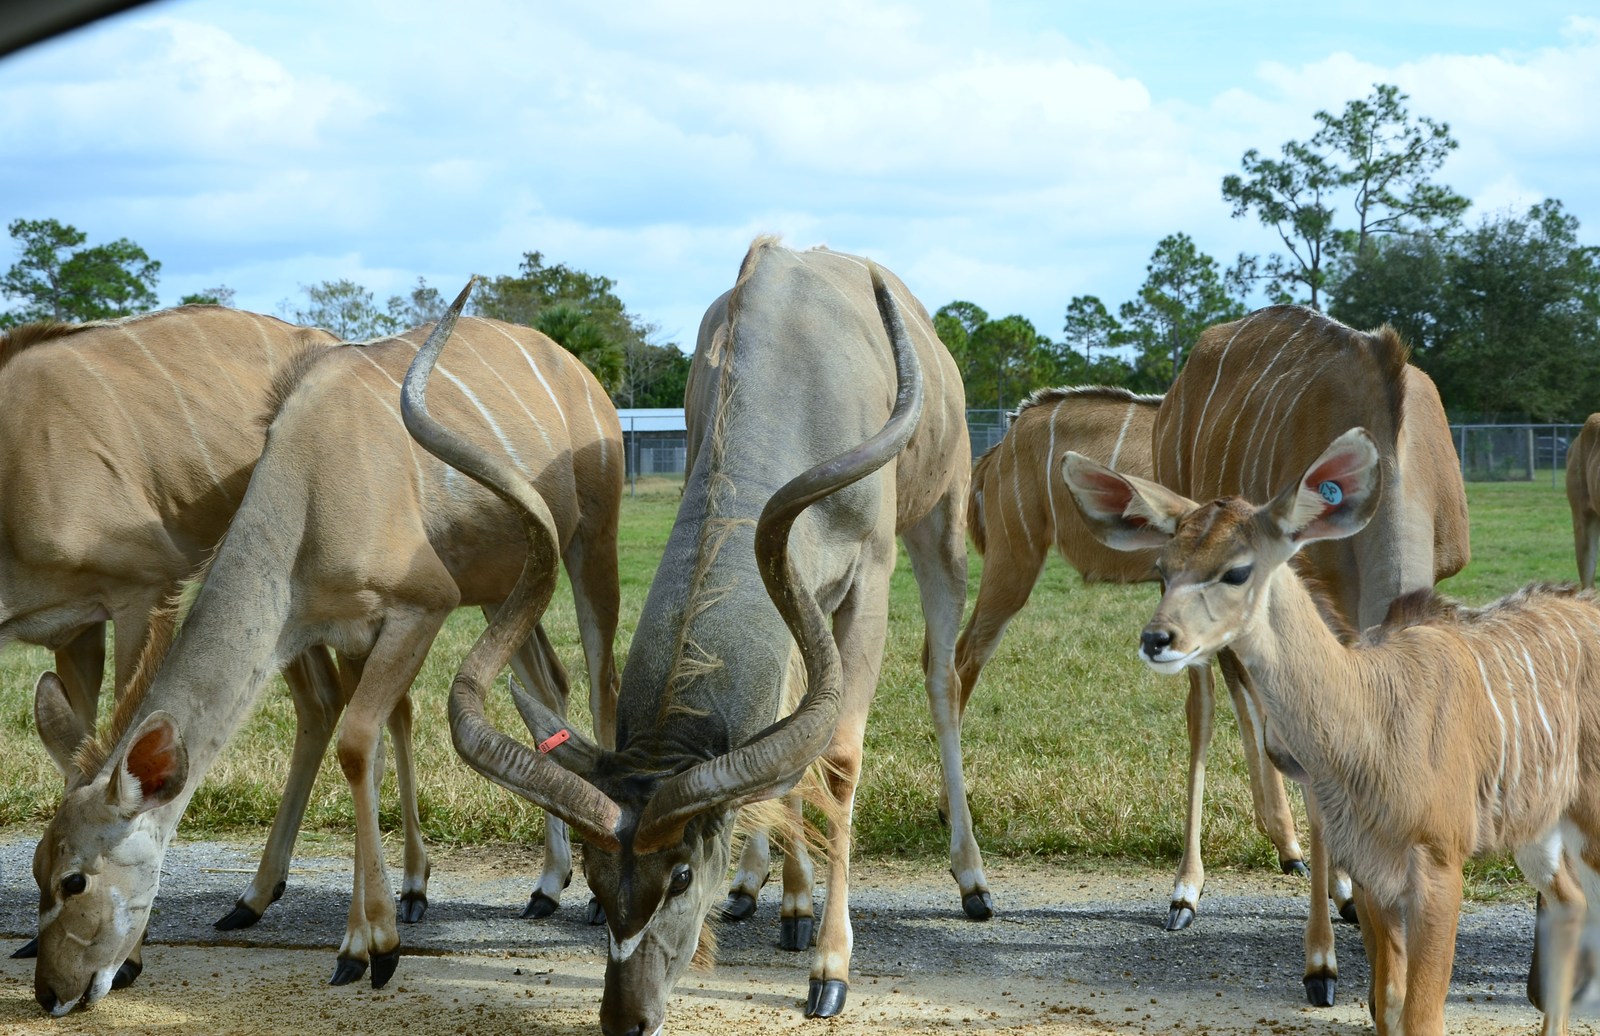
x=1071, y=950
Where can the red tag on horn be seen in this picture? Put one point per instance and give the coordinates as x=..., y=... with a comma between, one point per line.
x=560, y=737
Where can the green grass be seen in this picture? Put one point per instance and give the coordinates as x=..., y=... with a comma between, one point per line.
x=1074, y=749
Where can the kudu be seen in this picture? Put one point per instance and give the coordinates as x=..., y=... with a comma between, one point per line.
x=1255, y=398
x=1583, y=494
x=1445, y=732
x=125, y=448
x=348, y=536
x=802, y=390
x=1015, y=512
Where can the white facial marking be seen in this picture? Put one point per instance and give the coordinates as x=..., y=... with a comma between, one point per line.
x=623, y=950
x=62, y=1010
x=1168, y=662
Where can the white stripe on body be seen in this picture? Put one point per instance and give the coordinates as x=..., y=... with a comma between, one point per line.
x=1116, y=450
x=1016, y=490
x=1050, y=474
x=1260, y=446
x=1238, y=411
x=1200, y=422
x=517, y=397
x=201, y=447
x=1500, y=717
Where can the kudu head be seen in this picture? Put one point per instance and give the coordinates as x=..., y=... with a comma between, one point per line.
x=98, y=863
x=1217, y=560
x=656, y=836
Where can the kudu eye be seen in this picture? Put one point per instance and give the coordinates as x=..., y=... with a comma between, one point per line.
x=1237, y=576
x=73, y=884
x=682, y=876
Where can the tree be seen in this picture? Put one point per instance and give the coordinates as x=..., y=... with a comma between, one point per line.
x=56, y=278
x=1294, y=196
x=954, y=324
x=1089, y=327
x=653, y=376
x=423, y=305
x=595, y=320
x=1005, y=360
x=1184, y=292
x=221, y=295
x=344, y=308
x=1389, y=157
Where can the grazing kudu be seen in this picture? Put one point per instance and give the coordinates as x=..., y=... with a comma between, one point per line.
x=802, y=389
x=1254, y=400
x=1583, y=494
x=348, y=536
x=1016, y=510
x=1445, y=732
x=125, y=448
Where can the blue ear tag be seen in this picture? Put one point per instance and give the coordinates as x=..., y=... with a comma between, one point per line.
x=1331, y=492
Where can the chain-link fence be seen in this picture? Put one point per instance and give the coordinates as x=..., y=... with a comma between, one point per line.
x=1514, y=452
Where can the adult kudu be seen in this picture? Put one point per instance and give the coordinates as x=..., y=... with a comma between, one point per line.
x=1256, y=401
x=348, y=536
x=1018, y=508
x=822, y=426
x=125, y=448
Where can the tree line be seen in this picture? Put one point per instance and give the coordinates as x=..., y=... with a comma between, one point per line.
x=1504, y=314
x=58, y=276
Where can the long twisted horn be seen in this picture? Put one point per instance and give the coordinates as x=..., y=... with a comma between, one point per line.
x=508, y=763
x=772, y=762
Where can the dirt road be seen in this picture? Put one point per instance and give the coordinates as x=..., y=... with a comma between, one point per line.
x=1071, y=951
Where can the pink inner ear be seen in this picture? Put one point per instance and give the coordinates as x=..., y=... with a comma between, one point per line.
x=1339, y=469
x=153, y=759
x=1111, y=494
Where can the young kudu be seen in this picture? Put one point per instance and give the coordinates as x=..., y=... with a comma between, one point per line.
x=1255, y=399
x=1445, y=732
x=1583, y=494
x=803, y=389
x=349, y=536
x=1016, y=511
x=125, y=448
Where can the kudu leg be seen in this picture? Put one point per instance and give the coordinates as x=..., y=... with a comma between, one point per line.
x=1322, y=963
x=414, y=877
x=371, y=934
x=596, y=596
x=318, y=701
x=81, y=665
x=796, y=912
x=1383, y=937
x=1432, y=913
x=938, y=555
x=1010, y=571
x=537, y=667
x=859, y=627
x=1274, y=818
x=1563, y=910
x=1586, y=534
x=755, y=862
x=1198, y=711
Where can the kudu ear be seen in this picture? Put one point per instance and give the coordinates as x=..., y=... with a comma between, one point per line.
x=153, y=771
x=1123, y=512
x=59, y=727
x=1337, y=495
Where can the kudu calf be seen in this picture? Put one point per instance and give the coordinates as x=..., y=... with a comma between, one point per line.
x=1016, y=510
x=802, y=390
x=1255, y=399
x=348, y=536
x=1446, y=732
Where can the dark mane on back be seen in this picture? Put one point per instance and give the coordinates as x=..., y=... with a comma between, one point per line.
x=1107, y=392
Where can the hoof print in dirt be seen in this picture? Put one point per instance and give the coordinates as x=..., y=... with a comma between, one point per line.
x=826, y=998
x=794, y=933
x=738, y=906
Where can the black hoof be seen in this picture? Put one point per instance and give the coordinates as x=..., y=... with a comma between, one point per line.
x=1347, y=912
x=594, y=913
x=826, y=998
x=125, y=975
x=1179, y=916
x=794, y=933
x=240, y=916
x=1319, y=990
x=383, y=965
x=347, y=971
x=29, y=949
x=979, y=905
x=1296, y=867
x=738, y=906
x=412, y=906
x=540, y=905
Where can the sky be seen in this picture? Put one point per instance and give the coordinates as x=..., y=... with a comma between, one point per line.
x=1011, y=153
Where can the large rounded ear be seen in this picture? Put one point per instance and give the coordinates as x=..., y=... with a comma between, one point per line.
x=1337, y=495
x=1123, y=512
x=59, y=727
x=153, y=771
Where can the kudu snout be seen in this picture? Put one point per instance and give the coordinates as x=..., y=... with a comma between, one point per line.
x=1154, y=640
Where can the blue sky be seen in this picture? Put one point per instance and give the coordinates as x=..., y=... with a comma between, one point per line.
x=1014, y=154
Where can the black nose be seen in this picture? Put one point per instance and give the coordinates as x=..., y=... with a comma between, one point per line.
x=1154, y=642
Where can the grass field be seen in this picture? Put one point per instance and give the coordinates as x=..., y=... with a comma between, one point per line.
x=1073, y=747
